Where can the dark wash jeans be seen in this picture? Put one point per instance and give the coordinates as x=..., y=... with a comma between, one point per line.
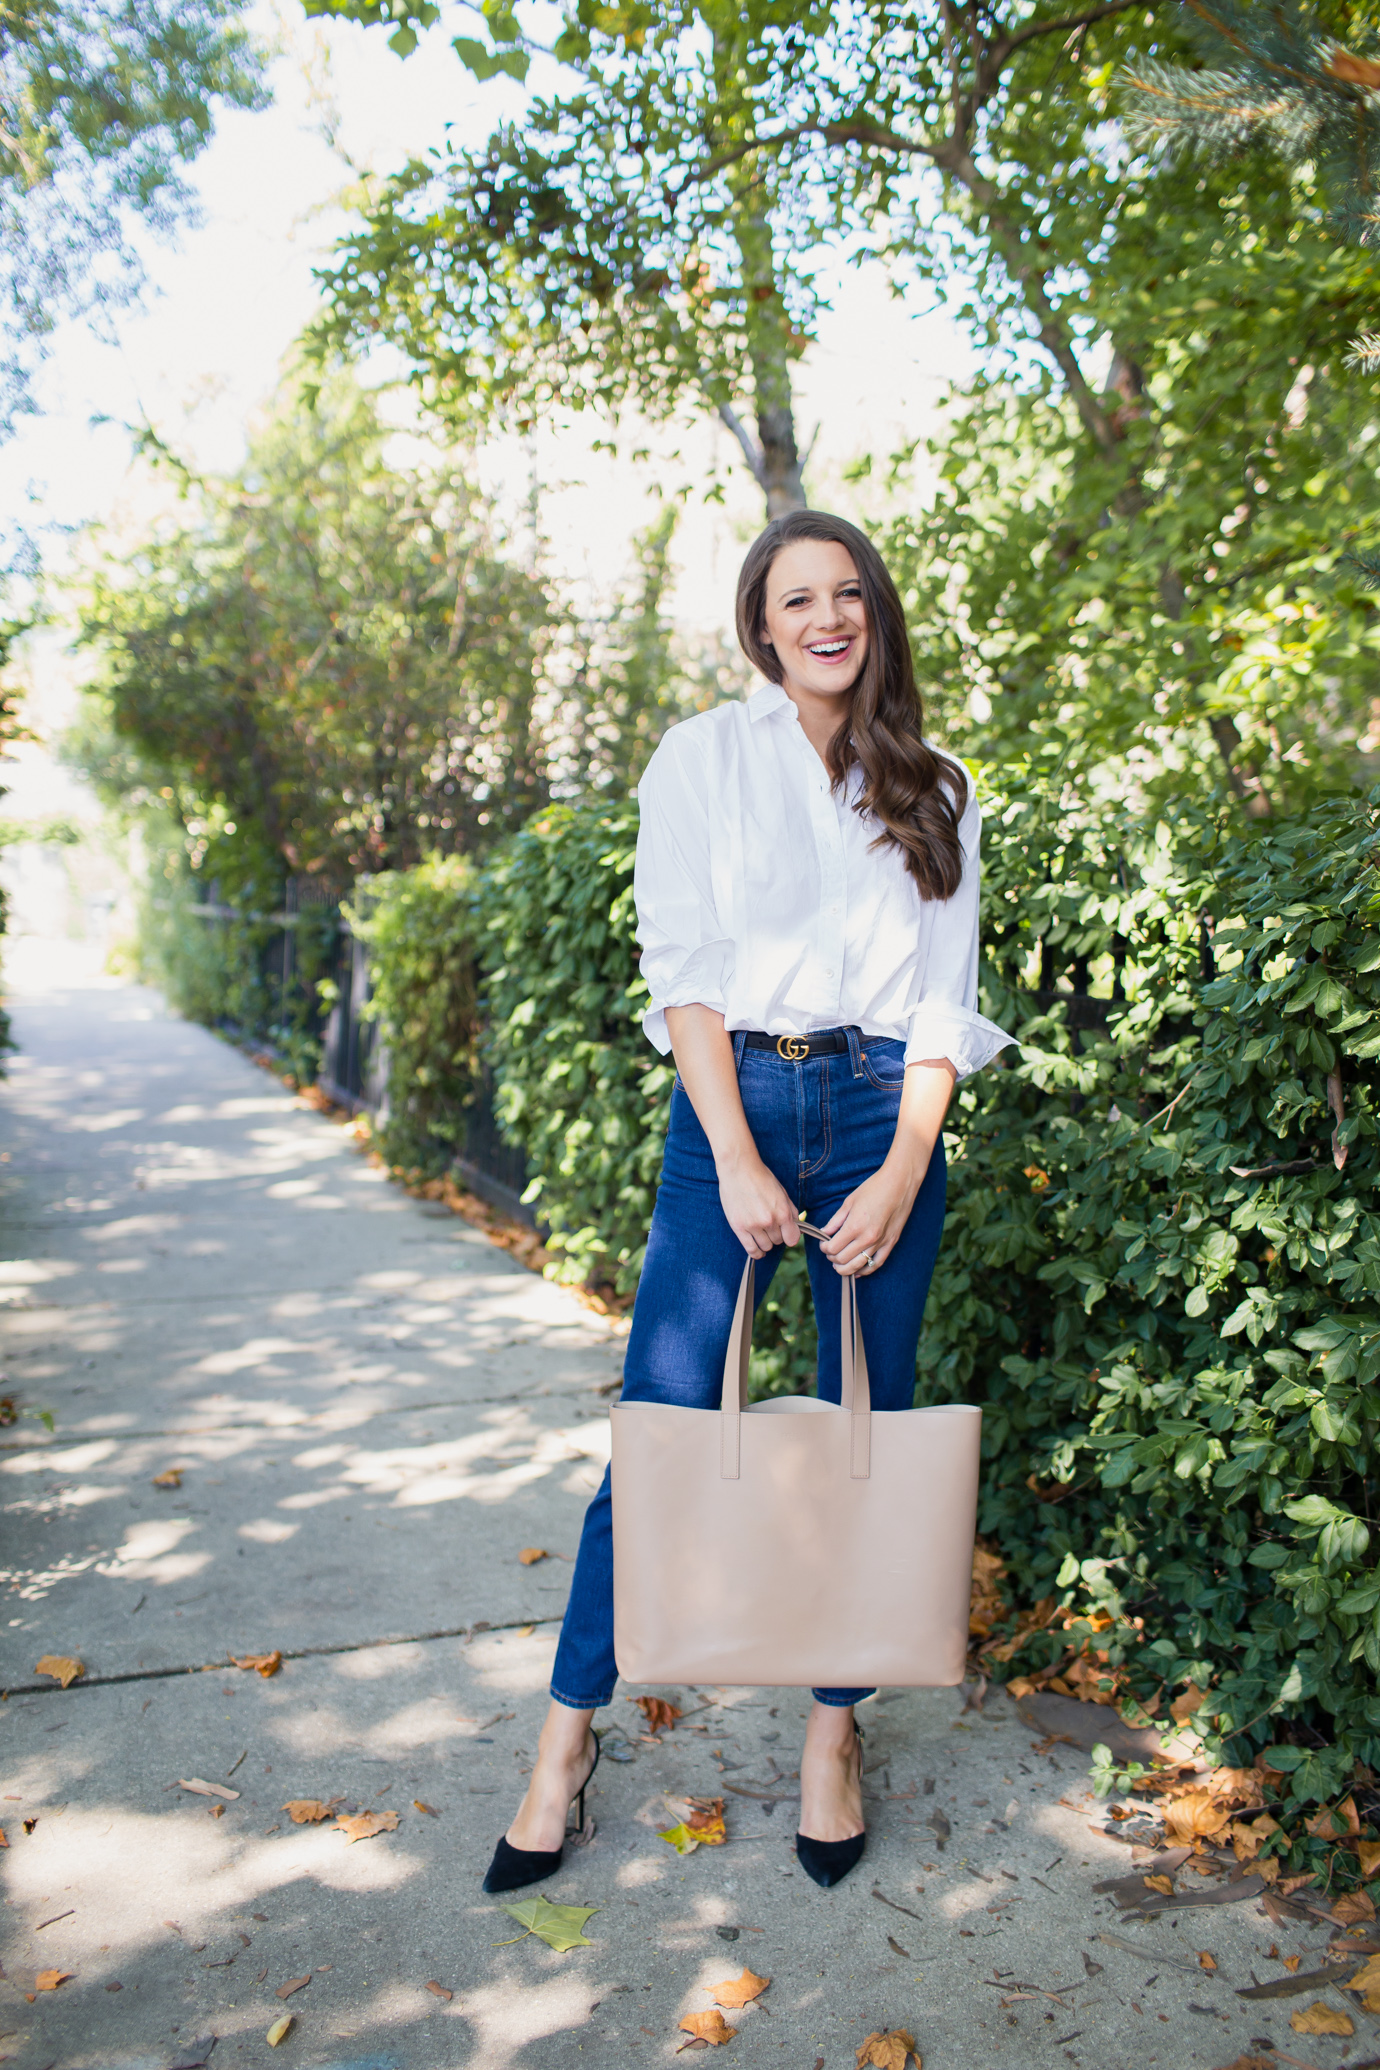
x=822, y=1126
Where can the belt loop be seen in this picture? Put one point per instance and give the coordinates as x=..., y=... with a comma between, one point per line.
x=739, y=1044
x=855, y=1050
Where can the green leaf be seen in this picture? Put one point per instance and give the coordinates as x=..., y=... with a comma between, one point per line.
x=560, y=1926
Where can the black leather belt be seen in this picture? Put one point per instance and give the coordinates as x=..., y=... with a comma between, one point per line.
x=830, y=1042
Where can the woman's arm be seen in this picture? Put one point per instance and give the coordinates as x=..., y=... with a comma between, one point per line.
x=873, y=1216
x=759, y=1210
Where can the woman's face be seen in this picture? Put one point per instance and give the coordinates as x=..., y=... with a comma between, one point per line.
x=815, y=617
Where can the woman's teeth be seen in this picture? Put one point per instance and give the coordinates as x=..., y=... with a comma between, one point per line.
x=834, y=647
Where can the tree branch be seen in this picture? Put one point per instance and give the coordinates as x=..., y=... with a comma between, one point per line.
x=752, y=452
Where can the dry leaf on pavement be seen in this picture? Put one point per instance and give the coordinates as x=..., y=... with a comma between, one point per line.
x=738, y=1990
x=1251, y=2063
x=429, y=1809
x=696, y=1831
x=265, y=1664
x=530, y=1554
x=1321, y=2019
x=562, y=1927
x=1351, y=1907
x=365, y=1824
x=280, y=2030
x=709, y=2026
x=1196, y=1815
x=438, y=1990
x=1368, y=1855
x=1206, y=1961
x=1163, y=1884
x=61, y=1667
x=891, y=2048
x=1367, y=1980
x=170, y=1478
x=205, y=1789
x=306, y=1811
x=660, y=1715
x=293, y=1984
x=49, y=1979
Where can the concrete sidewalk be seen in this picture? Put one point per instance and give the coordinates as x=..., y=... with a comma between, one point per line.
x=374, y=1411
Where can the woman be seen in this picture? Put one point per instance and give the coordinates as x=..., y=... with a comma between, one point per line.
x=807, y=899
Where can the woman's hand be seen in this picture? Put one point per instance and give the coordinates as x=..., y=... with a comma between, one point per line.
x=862, y=1235
x=760, y=1212
x=866, y=1229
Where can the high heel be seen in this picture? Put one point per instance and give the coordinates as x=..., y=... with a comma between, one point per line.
x=827, y=1862
x=513, y=1867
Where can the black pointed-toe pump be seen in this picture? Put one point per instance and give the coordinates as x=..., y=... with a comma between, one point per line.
x=513, y=1867
x=827, y=1862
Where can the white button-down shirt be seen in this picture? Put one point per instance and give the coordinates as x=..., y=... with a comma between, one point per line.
x=759, y=893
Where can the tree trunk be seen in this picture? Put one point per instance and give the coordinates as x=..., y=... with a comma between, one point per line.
x=774, y=456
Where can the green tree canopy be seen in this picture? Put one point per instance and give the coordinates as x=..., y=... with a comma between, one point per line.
x=336, y=665
x=101, y=106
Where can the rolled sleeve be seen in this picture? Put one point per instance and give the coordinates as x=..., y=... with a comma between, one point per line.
x=944, y=1021
x=687, y=955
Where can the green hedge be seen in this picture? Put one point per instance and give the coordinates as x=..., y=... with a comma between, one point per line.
x=1175, y=1360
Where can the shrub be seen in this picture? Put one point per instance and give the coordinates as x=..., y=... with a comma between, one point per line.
x=1162, y=1259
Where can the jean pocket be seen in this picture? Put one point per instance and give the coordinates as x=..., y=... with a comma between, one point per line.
x=884, y=1065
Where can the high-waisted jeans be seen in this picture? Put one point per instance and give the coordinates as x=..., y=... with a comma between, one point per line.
x=822, y=1127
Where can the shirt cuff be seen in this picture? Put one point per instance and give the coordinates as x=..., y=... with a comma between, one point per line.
x=964, y=1037
x=701, y=980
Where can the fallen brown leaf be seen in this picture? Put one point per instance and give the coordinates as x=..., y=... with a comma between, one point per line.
x=1183, y=1707
x=889, y=2049
x=1289, y=1884
x=1251, y=2063
x=3, y=1841
x=1321, y=2019
x=1163, y=1884
x=50, y=1979
x=170, y=1478
x=61, y=1667
x=1196, y=1815
x=1352, y=1906
x=205, y=1789
x=293, y=1984
x=660, y=1715
x=1356, y=71
x=429, y=1809
x=1206, y=1961
x=738, y=1990
x=1367, y=1977
x=1334, y=1822
x=1291, y=1962
x=1368, y=1855
x=217, y=1811
x=306, y=1811
x=530, y=1554
x=265, y=1664
x=366, y=1824
x=280, y=2030
x=438, y=1990
x=708, y=2026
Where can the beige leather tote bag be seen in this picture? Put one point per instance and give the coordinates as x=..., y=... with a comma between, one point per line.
x=793, y=1541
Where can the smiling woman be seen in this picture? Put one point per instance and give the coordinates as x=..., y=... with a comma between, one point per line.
x=807, y=898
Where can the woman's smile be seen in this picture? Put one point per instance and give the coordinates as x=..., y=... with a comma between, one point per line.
x=815, y=618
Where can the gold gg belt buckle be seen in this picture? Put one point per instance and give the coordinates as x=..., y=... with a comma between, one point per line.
x=791, y=1048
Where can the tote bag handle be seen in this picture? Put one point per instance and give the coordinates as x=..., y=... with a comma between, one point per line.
x=856, y=1395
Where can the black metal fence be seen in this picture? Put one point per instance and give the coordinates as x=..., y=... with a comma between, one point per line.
x=282, y=958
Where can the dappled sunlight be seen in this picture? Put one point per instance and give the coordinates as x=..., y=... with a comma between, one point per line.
x=133, y=1871
x=132, y=1226
x=253, y=1353
x=149, y=1553
x=19, y=1273
x=645, y=1868
x=513, y=2011
x=510, y=1662
x=68, y=1459
x=99, y=1124
x=452, y=1470
x=267, y=1530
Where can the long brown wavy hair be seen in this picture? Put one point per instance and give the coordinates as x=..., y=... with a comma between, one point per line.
x=916, y=796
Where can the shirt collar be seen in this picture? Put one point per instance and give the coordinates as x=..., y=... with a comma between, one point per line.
x=766, y=700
